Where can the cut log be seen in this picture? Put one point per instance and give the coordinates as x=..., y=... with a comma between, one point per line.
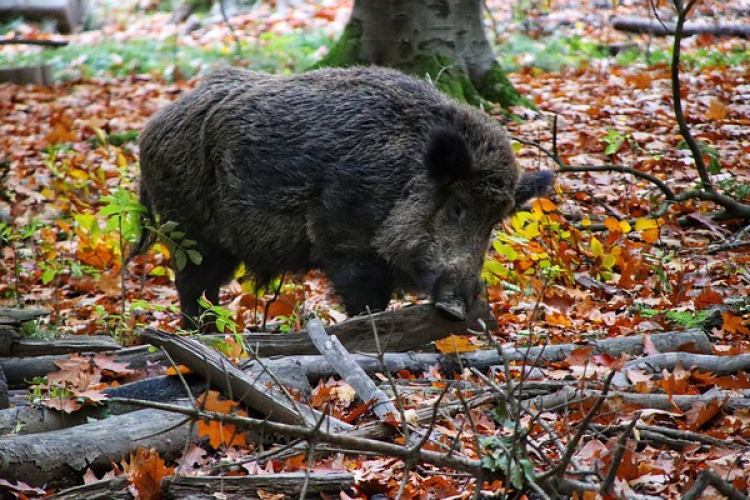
x=69, y=14
x=58, y=459
x=243, y=487
x=402, y=330
x=34, y=419
x=28, y=75
x=637, y=24
x=656, y=363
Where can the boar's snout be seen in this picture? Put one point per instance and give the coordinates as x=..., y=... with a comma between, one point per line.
x=454, y=299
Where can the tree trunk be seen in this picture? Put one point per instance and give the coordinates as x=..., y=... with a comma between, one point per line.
x=442, y=40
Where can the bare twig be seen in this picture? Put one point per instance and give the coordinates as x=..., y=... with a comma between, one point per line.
x=710, y=478
x=677, y=99
x=344, y=439
x=582, y=428
x=620, y=449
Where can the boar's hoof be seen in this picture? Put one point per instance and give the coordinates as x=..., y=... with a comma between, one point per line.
x=451, y=310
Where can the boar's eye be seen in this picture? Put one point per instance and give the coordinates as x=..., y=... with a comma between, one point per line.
x=455, y=211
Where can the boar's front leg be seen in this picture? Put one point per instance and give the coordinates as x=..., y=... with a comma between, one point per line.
x=361, y=282
x=215, y=269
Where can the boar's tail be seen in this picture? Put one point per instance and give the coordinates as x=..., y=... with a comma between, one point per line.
x=148, y=237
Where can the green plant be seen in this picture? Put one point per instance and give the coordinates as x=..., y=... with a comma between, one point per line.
x=500, y=456
x=15, y=237
x=41, y=390
x=614, y=140
x=218, y=315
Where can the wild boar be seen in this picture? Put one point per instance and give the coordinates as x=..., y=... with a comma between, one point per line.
x=372, y=176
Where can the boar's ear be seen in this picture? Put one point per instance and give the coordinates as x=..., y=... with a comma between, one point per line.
x=533, y=185
x=447, y=157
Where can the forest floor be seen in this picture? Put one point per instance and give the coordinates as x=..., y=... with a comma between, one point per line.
x=604, y=257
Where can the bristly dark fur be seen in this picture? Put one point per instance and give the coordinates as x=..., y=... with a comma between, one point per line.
x=372, y=176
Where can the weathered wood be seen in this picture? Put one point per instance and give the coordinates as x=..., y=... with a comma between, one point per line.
x=34, y=419
x=290, y=483
x=637, y=24
x=14, y=316
x=8, y=336
x=219, y=371
x=58, y=459
x=20, y=370
x=111, y=489
x=25, y=347
x=335, y=354
x=68, y=14
x=4, y=395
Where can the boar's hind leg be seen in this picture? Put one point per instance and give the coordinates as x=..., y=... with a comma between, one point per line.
x=192, y=281
x=361, y=283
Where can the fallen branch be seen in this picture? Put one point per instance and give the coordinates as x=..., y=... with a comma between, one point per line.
x=710, y=478
x=349, y=370
x=194, y=487
x=218, y=370
x=342, y=439
x=718, y=365
x=637, y=24
x=727, y=400
x=60, y=458
x=31, y=41
x=317, y=368
x=109, y=489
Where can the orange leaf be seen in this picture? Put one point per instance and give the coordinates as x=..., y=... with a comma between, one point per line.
x=716, y=110
x=455, y=344
x=612, y=224
x=220, y=433
x=181, y=369
x=146, y=470
x=557, y=320
x=544, y=204
x=280, y=307
x=650, y=235
x=358, y=412
x=733, y=324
